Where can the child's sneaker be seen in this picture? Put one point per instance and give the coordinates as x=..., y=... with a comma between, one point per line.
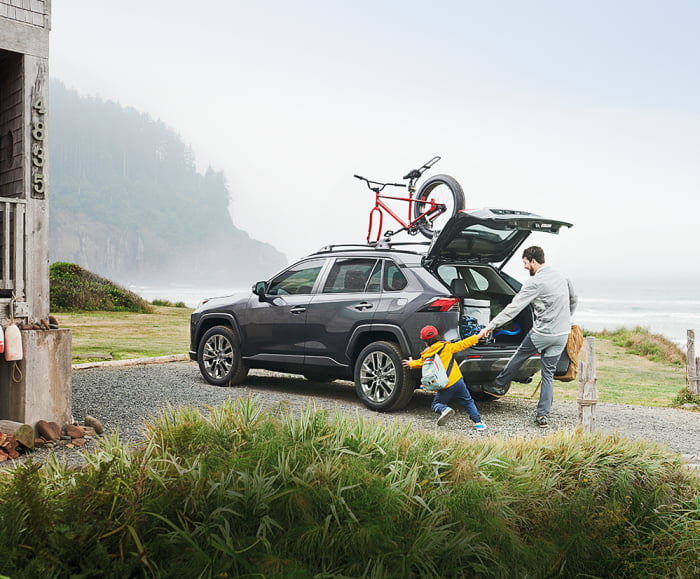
x=444, y=415
x=479, y=426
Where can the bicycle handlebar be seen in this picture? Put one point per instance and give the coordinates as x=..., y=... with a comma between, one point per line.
x=379, y=186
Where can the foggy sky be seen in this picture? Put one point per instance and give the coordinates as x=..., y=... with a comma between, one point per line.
x=585, y=112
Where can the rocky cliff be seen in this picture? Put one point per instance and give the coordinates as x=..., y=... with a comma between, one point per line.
x=127, y=202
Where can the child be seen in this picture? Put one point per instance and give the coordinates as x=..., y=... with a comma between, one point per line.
x=456, y=388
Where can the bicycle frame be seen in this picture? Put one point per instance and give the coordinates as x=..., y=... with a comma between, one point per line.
x=410, y=225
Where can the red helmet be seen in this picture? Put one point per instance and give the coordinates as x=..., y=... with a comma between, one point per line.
x=428, y=332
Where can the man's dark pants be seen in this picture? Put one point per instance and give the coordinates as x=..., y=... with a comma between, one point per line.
x=526, y=350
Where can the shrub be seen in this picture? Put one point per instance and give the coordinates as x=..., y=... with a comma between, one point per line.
x=168, y=303
x=73, y=288
x=642, y=342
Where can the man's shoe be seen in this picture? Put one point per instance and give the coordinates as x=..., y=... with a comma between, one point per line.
x=542, y=421
x=479, y=426
x=444, y=415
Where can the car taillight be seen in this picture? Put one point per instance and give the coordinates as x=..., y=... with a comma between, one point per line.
x=441, y=304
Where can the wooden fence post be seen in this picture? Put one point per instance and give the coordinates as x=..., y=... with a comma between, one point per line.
x=587, y=388
x=692, y=366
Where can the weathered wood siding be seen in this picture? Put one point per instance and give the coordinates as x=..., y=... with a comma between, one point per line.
x=24, y=170
x=11, y=124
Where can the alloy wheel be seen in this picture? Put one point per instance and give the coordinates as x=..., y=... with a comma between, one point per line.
x=217, y=356
x=378, y=377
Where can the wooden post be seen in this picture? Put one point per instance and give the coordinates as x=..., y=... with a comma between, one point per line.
x=692, y=367
x=587, y=388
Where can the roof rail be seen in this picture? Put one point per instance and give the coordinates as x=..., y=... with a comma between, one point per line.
x=382, y=244
x=343, y=246
x=423, y=243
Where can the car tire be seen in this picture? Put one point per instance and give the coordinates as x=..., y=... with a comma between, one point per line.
x=219, y=357
x=381, y=381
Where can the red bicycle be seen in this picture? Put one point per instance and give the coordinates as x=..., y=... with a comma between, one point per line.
x=438, y=199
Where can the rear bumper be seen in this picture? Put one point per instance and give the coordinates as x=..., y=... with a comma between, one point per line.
x=481, y=368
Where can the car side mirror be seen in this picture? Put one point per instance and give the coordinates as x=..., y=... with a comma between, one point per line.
x=259, y=289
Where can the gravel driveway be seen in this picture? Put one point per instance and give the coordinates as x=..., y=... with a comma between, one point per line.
x=123, y=397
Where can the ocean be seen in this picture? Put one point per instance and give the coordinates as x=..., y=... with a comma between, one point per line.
x=669, y=308
x=662, y=307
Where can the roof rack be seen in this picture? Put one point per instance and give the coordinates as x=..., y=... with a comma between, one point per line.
x=382, y=244
x=343, y=246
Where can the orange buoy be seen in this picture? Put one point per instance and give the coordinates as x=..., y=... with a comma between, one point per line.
x=13, y=343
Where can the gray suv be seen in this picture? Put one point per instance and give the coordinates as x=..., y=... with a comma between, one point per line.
x=354, y=312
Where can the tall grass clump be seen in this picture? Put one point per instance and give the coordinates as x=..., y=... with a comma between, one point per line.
x=239, y=490
x=642, y=342
x=72, y=288
x=168, y=303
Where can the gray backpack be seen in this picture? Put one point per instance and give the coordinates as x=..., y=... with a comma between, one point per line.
x=434, y=376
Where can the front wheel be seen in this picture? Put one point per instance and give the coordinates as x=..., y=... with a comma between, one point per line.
x=219, y=357
x=381, y=381
x=447, y=193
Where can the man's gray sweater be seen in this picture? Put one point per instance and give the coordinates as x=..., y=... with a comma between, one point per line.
x=553, y=298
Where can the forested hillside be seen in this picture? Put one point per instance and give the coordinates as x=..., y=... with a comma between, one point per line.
x=127, y=202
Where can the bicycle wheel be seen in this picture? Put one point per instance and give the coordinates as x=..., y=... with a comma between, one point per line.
x=444, y=190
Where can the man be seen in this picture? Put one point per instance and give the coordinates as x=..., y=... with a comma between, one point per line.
x=554, y=300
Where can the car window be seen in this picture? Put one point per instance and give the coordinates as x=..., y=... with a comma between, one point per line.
x=394, y=279
x=350, y=275
x=375, y=280
x=479, y=280
x=447, y=273
x=298, y=279
x=483, y=279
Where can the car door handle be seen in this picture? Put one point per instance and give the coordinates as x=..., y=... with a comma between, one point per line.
x=298, y=310
x=363, y=306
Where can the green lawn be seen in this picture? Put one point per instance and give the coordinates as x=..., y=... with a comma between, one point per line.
x=621, y=378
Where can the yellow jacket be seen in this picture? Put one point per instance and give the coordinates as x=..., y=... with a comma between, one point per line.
x=446, y=356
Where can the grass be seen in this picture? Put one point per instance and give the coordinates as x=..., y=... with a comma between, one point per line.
x=124, y=335
x=622, y=377
x=632, y=367
x=242, y=491
x=162, y=302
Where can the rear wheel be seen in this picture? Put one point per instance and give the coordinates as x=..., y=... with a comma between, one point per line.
x=381, y=381
x=445, y=191
x=219, y=357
